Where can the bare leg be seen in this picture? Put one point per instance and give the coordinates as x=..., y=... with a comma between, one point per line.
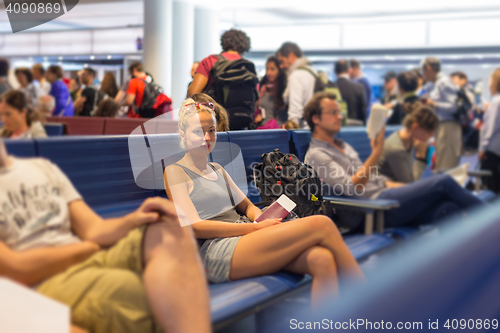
x=320, y=264
x=175, y=280
x=272, y=249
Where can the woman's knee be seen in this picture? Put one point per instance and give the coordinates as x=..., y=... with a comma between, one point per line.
x=321, y=261
x=324, y=225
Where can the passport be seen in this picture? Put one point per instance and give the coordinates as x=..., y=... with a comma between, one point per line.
x=278, y=209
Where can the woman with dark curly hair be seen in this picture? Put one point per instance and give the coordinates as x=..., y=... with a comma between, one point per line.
x=270, y=108
x=234, y=44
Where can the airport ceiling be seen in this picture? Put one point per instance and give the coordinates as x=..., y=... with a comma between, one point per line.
x=91, y=14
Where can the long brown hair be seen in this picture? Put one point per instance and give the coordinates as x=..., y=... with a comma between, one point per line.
x=109, y=86
x=17, y=100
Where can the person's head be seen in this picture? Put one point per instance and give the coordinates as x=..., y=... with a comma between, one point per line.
x=197, y=127
x=4, y=67
x=194, y=68
x=88, y=76
x=107, y=108
x=430, y=69
x=390, y=81
x=495, y=82
x=341, y=67
x=272, y=69
x=221, y=117
x=287, y=54
x=354, y=68
x=23, y=76
x=235, y=40
x=275, y=75
x=322, y=112
x=109, y=85
x=407, y=82
x=46, y=105
x=459, y=78
x=53, y=73
x=420, y=78
x=38, y=71
x=74, y=84
x=136, y=69
x=15, y=112
x=421, y=121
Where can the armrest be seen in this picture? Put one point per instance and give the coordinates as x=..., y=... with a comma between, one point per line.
x=479, y=173
x=371, y=204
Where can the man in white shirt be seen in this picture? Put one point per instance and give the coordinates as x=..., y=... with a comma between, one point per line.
x=39, y=75
x=301, y=81
x=443, y=98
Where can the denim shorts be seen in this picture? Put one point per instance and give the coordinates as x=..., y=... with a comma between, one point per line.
x=217, y=254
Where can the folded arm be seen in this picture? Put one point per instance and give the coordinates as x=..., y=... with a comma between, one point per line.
x=91, y=227
x=33, y=266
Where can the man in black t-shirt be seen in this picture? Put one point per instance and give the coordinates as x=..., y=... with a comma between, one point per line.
x=86, y=103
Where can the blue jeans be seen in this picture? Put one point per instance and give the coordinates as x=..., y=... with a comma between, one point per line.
x=427, y=200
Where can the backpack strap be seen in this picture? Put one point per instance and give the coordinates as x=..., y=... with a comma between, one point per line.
x=227, y=184
x=308, y=70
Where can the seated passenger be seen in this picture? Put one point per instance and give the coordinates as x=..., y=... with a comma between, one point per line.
x=339, y=166
x=45, y=106
x=137, y=273
x=397, y=161
x=107, y=108
x=19, y=119
x=234, y=248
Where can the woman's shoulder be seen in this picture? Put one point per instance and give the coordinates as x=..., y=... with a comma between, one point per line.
x=37, y=130
x=175, y=169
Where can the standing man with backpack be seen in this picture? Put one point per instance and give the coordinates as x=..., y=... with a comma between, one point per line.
x=443, y=97
x=301, y=81
x=146, y=98
x=229, y=79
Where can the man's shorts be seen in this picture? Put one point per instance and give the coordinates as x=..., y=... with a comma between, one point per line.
x=106, y=292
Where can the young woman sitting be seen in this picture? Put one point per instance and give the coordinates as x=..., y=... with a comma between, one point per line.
x=19, y=119
x=232, y=247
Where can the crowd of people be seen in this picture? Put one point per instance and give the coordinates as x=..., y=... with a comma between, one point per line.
x=44, y=92
x=144, y=270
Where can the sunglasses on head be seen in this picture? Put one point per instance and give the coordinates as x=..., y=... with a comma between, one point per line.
x=206, y=105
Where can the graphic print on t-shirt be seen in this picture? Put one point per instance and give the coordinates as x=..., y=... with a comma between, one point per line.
x=34, y=209
x=36, y=204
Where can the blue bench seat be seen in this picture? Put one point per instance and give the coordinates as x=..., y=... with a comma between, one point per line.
x=232, y=300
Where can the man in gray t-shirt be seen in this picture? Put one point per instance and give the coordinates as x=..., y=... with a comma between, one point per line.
x=342, y=171
x=46, y=228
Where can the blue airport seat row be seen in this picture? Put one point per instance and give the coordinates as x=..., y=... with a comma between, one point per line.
x=100, y=168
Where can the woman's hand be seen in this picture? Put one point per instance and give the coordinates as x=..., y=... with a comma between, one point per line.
x=267, y=223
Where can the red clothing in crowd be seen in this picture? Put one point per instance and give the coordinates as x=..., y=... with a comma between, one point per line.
x=207, y=64
x=136, y=87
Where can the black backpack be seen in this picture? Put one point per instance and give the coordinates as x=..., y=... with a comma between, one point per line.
x=151, y=92
x=279, y=174
x=235, y=88
x=464, y=105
